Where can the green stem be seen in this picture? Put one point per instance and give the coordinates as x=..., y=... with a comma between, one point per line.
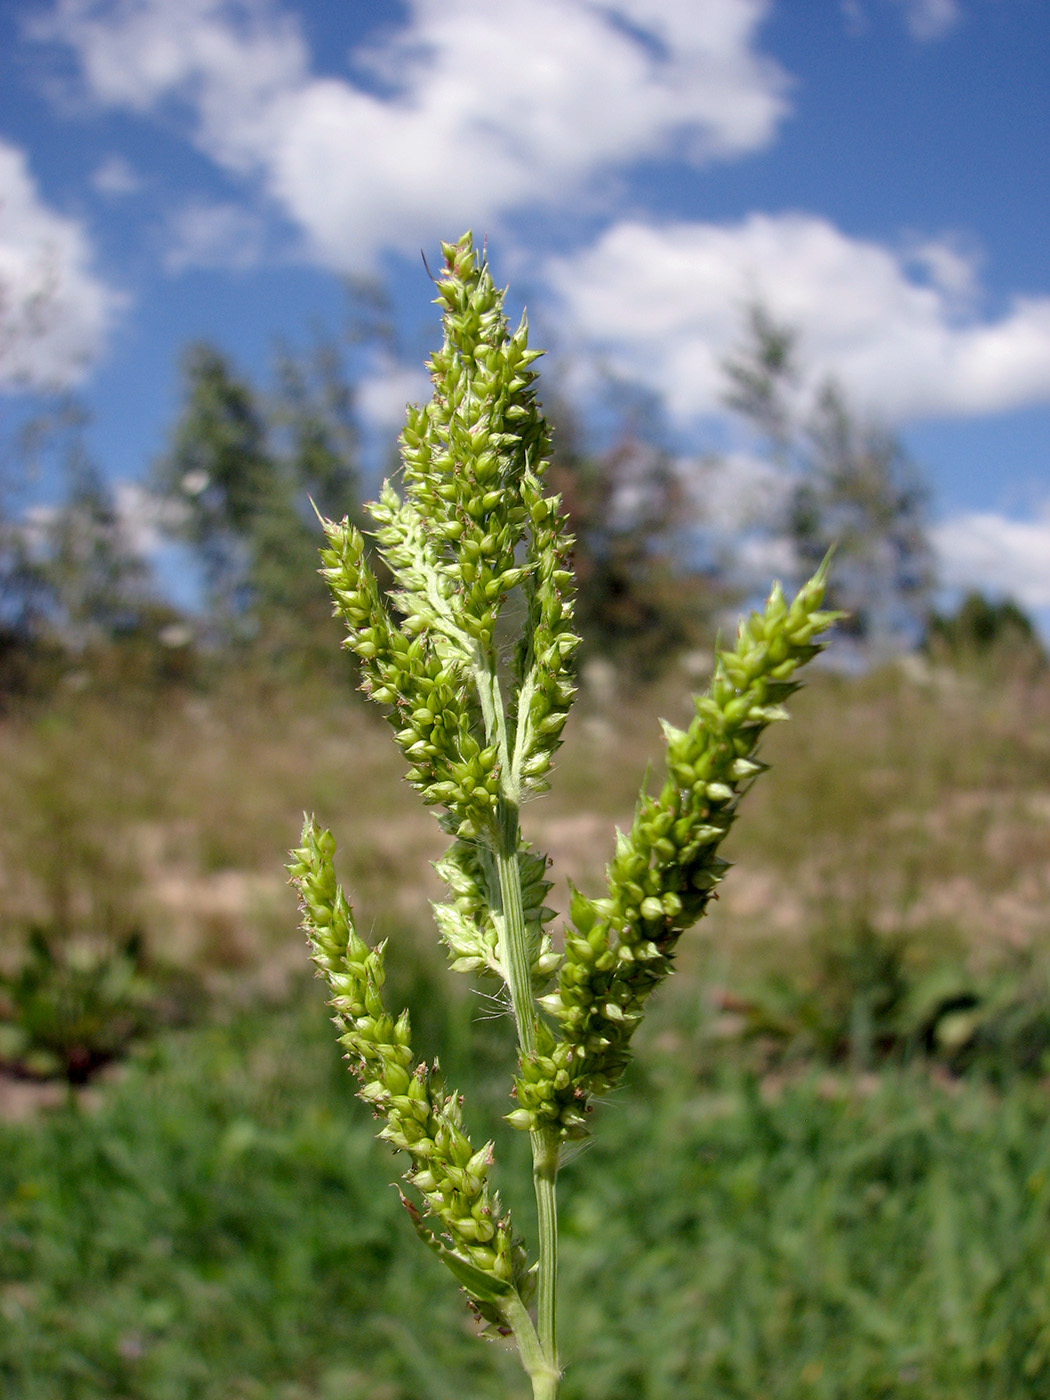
x=513, y=953
x=514, y=956
x=545, y=1385
x=543, y=1375
x=546, y=1150
x=490, y=697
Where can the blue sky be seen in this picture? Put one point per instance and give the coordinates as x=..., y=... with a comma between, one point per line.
x=876, y=171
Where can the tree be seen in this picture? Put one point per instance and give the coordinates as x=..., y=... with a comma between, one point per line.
x=638, y=602
x=25, y=316
x=72, y=582
x=851, y=485
x=760, y=375
x=862, y=494
x=314, y=405
x=223, y=478
x=243, y=472
x=23, y=607
x=27, y=313
x=98, y=585
x=985, y=631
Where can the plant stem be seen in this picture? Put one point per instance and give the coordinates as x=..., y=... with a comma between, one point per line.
x=541, y=1373
x=545, y=1153
x=513, y=952
x=545, y=1385
x=514, y=955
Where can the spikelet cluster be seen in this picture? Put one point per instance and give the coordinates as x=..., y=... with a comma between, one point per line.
x=431, y=707
x=472, y=526
x=467, y=920
x=665, y=869
x=420, y=1115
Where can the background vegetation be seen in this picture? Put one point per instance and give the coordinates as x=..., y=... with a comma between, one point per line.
x=829, y=1174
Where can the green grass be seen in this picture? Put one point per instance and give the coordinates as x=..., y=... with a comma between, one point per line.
x=218, y=1222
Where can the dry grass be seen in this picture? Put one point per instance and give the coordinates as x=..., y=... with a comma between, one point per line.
x=923, y=807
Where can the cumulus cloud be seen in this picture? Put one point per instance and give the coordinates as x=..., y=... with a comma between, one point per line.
x=930, y=19
x=146, y=519
x=998, y=555
x=54, y=308
x=663, y=304
x=735, y=492
x=227, y=58
x=115, y=176
x=383, y=393
x=951, y=268
x=463, y=113
x=214, y=235
x=925, y=20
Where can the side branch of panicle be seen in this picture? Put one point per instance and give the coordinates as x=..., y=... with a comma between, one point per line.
x=543, y=660
x=421, y=1117
x=466, y=920
x=666, y=868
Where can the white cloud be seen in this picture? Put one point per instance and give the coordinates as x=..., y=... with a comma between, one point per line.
x=663, y=305
x=930, y=19
x=214, y=235
x=925, y=20
x=225, y=59
x=951, y=268
x=54, y=309
x=115, y=176
x=468, y=110
x=145, y=518
x=383, y=394
x=998, y=555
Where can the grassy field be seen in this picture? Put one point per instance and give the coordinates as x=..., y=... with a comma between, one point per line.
x=219, y=1223
x=805, y=1190
x=922, y=807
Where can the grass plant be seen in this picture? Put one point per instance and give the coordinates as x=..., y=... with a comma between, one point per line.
x=477, y=692
x=207, y=1222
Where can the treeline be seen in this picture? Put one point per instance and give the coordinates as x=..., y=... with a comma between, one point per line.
x=223, y=521
x=232, y=504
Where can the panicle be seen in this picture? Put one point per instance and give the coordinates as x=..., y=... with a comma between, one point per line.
x=471, y=526
x=420, y=1115
x=666, y=868
x=479, y=722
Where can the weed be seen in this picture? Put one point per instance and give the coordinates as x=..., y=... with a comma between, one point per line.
x=479, y=716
